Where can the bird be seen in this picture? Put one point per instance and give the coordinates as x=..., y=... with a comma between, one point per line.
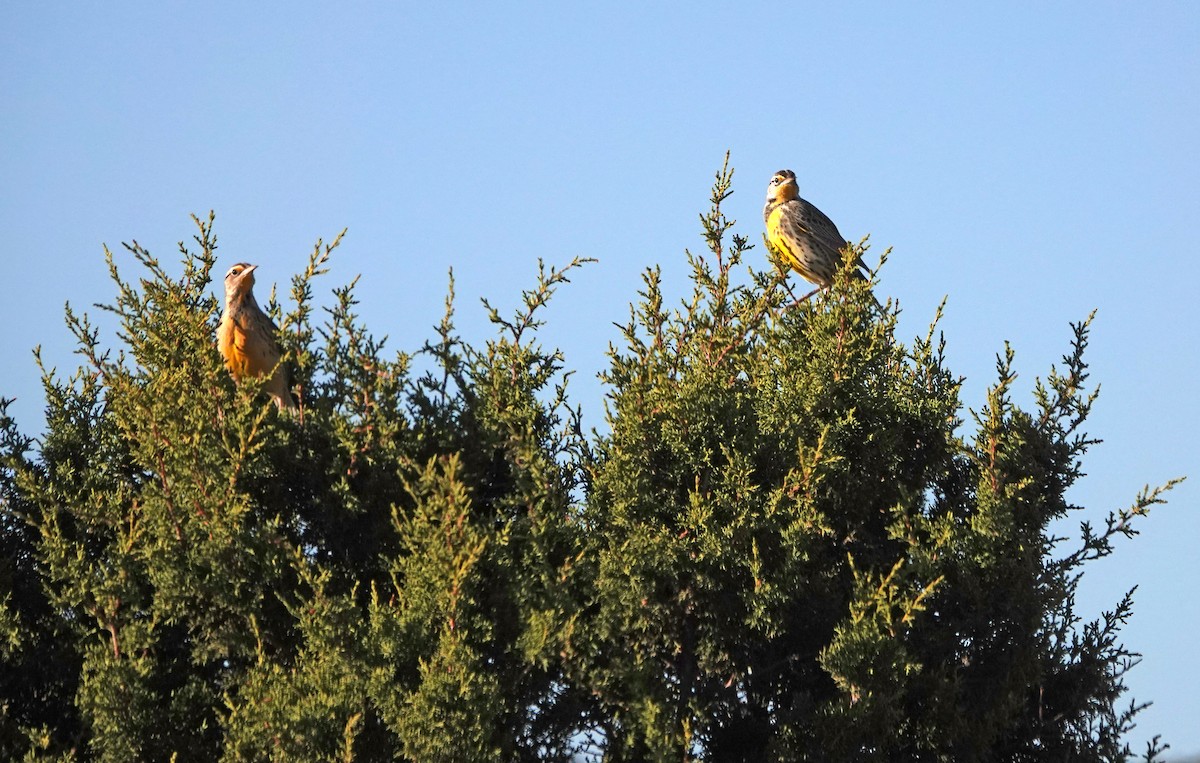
x=246, y=337
x=804, y=237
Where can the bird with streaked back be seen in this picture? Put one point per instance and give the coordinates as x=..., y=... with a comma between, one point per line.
x=803, y=235
x=246, y=337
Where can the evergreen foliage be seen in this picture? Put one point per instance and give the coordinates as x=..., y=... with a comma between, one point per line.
x=783, y=546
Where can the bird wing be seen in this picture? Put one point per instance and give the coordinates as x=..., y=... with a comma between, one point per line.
x=820, y=226
x=824, y=231
x=280, y=385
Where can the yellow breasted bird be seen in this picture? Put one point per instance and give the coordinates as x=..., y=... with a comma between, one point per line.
x=804, y=237
x=246, y=337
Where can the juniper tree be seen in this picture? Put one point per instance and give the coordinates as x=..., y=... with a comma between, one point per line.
x=209, y=579
x=803, y=560
x=786, y=544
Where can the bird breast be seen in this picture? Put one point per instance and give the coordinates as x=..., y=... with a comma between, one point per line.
x=248, y=349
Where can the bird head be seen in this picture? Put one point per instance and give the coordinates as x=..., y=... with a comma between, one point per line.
x=239, y=281
x=782, y=187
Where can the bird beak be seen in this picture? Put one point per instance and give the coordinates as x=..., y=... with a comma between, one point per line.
x=249, y=270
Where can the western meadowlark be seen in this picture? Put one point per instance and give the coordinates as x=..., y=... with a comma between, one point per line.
x=246, y=337
x=804, y=237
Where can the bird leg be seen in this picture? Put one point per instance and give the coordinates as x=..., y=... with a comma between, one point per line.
x=782, y=275
x=782, y=272
x=797, y=300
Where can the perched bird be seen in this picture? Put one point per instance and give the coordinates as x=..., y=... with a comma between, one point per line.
x=807, y=240
x=246, y=337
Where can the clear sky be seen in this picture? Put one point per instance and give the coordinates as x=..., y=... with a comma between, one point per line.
x=1031, y=162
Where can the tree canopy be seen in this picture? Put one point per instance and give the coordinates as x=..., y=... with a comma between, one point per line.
x=791, y=541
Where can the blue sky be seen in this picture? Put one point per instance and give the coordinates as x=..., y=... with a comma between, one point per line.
x=1031, y=162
